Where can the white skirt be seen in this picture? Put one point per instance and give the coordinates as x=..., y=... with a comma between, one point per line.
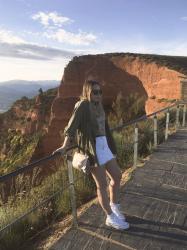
x=103, y=152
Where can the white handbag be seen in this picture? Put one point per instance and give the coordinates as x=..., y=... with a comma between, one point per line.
x=80, y=161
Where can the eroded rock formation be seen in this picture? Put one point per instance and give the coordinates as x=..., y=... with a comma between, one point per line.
x=128, y=73
x=161, y=83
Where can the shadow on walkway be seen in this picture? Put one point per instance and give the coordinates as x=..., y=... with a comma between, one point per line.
x=154, y=202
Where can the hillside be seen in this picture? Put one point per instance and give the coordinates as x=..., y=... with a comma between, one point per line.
x=10, y=91
x=21, y=127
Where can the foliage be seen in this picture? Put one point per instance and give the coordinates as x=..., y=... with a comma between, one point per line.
x=53, y=209
x=15, y=148
x=126, y=109
x=125, y=138
x=20, y=148
x=30, y=191
x=166, y=100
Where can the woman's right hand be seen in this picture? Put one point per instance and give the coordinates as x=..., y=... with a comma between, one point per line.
x=60, y=150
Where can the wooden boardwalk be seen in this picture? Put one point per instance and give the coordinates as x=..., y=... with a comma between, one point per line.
x=154, y=201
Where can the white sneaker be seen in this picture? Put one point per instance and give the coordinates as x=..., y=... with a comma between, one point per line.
x=113, y=221
x=116, y=210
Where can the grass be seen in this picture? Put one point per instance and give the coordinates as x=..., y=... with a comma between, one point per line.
x=55, y=208
x=19, y=153
x=28, y=194
x=15, y=148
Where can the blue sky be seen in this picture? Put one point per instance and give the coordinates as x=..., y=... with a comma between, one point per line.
x=39, y=37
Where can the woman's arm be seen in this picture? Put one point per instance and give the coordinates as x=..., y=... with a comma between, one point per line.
x=68, y=142
x=74, y=122
x=71, y=128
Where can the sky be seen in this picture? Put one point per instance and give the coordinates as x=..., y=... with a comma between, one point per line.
x=39, y=37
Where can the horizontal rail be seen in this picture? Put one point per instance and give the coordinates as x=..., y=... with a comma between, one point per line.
x=35, y=164
x=31, y=166
x=144, y=117
x=25, y=168
x=33, y=209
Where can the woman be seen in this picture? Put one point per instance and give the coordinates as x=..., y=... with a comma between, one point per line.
x=89, y=124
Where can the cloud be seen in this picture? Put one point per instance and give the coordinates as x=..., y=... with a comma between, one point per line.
x=184, y=18
x=63, y=36
x=7, y=36
x=15, y=68
x=53, y=22
x=32, y=51
x=14, y=46
x=175, y=48
x=144, y=45
x=51, y=19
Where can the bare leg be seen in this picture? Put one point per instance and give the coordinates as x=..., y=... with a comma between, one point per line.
x=99, y=175
x=114, y=173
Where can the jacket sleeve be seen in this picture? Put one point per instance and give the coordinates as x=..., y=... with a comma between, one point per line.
x=74, y=122
x=110, y=139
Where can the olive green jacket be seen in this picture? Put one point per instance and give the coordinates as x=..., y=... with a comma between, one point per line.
x=82, y=127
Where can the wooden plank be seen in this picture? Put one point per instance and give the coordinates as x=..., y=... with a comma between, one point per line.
x=154, y=202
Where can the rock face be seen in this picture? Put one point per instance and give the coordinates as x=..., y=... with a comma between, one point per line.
x=160, y=82
x=116, y=72
x=26, y=117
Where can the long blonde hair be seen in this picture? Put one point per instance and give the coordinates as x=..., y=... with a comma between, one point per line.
x=87, y=88
x=86, y=92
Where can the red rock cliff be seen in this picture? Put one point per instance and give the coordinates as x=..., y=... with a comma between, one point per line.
x=160, y=82
x=116, y=72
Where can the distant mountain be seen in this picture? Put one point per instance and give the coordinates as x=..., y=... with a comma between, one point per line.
x=10, y=91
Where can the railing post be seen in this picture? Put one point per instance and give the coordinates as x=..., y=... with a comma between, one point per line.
x=167, y=125
x=72, y=193
x=184, y=116
x=177, y=117
x=135, y=145
x=155, y=132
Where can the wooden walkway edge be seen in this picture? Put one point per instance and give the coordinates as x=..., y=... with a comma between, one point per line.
x=154, y=201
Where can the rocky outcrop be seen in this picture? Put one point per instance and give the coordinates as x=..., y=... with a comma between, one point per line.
x=26, y=117
x=161, y=83
x=127, y=73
